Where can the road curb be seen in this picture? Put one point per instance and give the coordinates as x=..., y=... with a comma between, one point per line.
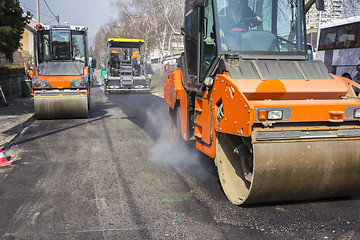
x=161, y=95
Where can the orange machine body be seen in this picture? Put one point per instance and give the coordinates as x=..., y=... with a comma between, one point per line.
x=61, y=81
x=314, y=101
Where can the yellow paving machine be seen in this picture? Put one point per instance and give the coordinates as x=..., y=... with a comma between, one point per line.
x=125, y=66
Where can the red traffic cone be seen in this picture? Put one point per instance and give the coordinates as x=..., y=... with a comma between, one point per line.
x=3, y=161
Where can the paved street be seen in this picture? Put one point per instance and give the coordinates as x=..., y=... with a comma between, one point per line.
x=115, y=176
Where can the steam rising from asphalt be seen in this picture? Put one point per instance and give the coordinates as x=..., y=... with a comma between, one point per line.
x=166, y=153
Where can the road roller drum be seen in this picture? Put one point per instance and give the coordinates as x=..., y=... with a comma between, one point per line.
x=288, y=170
x=61, y=107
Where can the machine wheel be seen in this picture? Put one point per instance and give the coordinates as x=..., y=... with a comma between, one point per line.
x=175, y=124
x=346, y=75
x=235, y=166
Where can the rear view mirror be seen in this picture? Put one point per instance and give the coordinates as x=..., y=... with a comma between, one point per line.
x=320, y=5
x=201, y=3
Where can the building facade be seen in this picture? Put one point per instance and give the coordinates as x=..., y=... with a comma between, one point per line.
x=333, y=10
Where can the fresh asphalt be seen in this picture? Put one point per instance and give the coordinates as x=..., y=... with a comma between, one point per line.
x=115, y=175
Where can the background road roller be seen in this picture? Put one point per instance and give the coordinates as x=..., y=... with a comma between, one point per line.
x=61, y=80
x=125, y=66
x=279, y=126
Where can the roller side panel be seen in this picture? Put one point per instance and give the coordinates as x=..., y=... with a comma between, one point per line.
x=238, y=113
x=204, y=124
x=174, y=92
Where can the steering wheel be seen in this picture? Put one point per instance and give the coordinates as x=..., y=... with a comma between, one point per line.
x=250, y=22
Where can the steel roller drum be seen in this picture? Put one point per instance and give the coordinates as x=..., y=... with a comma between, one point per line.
x=61, y=107
x=291, y=170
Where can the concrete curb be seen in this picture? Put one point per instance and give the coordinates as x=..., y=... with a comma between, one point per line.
x=161, y=95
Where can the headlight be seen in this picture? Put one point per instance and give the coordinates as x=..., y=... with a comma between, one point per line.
x=79, y=83
x=357, y=113
x=38, y=83
x=274, y=114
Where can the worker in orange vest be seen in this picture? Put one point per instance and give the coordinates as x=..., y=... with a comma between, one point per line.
x=135, y=54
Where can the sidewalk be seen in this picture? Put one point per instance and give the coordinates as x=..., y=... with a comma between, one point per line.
x=14, y=118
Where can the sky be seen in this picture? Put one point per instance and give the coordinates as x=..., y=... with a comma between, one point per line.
x=90, y=13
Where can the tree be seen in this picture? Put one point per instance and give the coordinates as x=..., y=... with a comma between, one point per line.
x=351, y=8
x=155, y=21
x=13, y=22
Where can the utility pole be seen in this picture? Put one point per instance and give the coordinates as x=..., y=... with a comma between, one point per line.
x=318, y=32
x=37, y=12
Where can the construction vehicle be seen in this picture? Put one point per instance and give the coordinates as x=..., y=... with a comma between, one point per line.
x=278, y=126
x=61, y=80
x=125, y=66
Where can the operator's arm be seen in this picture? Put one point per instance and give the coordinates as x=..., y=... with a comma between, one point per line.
x=250, y=18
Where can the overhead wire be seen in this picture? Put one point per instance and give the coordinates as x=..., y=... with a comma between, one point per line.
x=50, y=9
x=56, y=17
x=35, y=12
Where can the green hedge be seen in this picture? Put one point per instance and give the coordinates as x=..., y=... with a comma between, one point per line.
x=11, y=69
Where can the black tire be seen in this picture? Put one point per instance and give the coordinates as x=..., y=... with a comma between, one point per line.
x=347, y=76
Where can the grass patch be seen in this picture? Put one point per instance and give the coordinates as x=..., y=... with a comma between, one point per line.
x=157, y=83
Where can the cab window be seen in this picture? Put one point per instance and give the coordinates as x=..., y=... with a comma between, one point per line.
x=191, y=31
x=208, y=47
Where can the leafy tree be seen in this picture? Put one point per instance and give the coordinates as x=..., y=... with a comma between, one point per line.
x=155, y=21
x=12, y=25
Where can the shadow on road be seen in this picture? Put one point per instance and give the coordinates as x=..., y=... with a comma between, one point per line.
x=20, y=142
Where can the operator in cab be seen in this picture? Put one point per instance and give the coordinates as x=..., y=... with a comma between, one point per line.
x=237, y=17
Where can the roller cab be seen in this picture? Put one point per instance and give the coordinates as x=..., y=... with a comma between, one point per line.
x=61, y=83
x=278, y=126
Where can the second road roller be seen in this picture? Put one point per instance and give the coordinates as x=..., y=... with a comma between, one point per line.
x=278, y=126
x=61, y=80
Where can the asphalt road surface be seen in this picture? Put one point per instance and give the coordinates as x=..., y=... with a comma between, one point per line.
x=115, y=176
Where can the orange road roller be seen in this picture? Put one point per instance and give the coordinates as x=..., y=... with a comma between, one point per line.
x=278, y=126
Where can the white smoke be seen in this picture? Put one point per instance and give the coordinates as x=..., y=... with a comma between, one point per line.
x=164, y=152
